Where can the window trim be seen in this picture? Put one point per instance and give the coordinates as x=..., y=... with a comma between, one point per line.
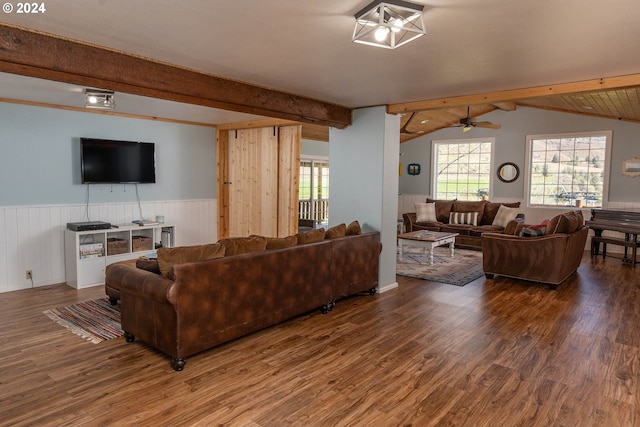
x=313, y=159
x=434, y=171
x=608, y=134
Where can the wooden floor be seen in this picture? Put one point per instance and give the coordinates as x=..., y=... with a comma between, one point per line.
x=493, y=353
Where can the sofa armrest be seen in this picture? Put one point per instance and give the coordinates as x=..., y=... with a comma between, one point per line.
x=140, y=282
x=409, y=219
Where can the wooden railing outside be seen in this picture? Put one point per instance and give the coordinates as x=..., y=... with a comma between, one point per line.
x=318, y=210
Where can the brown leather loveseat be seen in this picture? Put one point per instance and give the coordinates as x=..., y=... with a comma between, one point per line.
x=206, y=303
x=549, y=258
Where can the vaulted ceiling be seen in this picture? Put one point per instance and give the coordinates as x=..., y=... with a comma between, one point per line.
x=618, y=104
x=568, y=55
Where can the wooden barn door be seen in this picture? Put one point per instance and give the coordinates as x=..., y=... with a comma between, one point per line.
x=259, y=169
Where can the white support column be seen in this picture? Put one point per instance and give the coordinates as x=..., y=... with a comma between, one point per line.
x=364, y=180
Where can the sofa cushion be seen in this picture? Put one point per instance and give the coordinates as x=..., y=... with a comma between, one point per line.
x=354, y=229
x=443, y=208
x=470, y=206
x=243, y=245
x=311, y=236
x=477, y=231
x=491, y=209
x=566, y=222
x=148, y=264
x=504, y=215
x=470, y=218
x=512, y=228
x=462, y=229
x=336, y=231
x=168, y=257
x=281, y=242
x=426, y=212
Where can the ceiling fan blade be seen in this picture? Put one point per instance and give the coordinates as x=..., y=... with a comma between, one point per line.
x=403, y=129
x=487, y=125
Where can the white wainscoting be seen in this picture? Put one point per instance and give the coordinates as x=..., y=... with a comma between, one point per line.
x=32, y=237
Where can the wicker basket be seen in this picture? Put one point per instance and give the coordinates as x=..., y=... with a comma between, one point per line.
x=141, y=243
x=116, y=246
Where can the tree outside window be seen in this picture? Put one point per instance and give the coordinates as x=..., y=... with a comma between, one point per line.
x=462, y=169
x=567, y=169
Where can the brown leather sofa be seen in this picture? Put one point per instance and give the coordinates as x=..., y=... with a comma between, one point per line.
x=468, y=235
x=207, y=303
x=550, y=258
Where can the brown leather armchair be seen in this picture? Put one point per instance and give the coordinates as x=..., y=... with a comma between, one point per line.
x=550, y=258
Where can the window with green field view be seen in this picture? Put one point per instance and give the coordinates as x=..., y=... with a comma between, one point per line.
x=462, y=169
x=567, y=169
x=313, y=196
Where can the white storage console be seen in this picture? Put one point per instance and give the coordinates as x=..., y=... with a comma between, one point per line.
x=87, y=253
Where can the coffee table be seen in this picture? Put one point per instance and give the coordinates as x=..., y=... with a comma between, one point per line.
x=426, y=240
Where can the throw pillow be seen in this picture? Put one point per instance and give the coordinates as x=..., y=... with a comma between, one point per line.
x=281, y=242
x=470, y=218
x=354, y=229
x=491, y=209
x=336, y=231
x=504, y=215
x=470, y=206
x=426, y=212
x=543, y=224
x=533, y=232
x=312, y=236
x=243, y=245
x=168, y=257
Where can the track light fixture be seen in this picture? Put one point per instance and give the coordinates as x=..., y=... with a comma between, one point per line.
x=101, y=99
x=389, y=23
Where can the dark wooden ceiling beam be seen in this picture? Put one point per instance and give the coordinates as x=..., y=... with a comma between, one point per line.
x=50, y=57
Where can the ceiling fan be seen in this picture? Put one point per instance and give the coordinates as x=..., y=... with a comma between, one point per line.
x=467, y=123
x=403, y=129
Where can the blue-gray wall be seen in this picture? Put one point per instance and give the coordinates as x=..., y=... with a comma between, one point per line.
x=39, y=148
x=510, y=146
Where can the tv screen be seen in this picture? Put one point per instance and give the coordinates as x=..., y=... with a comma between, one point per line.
x=105, y=161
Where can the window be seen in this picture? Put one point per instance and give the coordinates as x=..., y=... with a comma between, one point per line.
x=313, y=198
x=568, y=169
x=462, y=169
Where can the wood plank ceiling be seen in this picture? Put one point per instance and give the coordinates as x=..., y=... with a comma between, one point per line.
x=617, y=104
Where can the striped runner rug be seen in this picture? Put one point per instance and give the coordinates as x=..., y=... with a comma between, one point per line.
x=95, y=320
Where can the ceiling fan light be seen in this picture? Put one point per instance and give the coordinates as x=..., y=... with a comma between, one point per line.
x=466, y=129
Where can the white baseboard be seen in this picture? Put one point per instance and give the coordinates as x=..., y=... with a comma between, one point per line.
x=388, y=287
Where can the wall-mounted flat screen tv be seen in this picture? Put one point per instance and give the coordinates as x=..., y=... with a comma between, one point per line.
x=105, y=161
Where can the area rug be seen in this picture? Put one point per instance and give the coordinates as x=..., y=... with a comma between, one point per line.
x=463, y=268
x=95, y=320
